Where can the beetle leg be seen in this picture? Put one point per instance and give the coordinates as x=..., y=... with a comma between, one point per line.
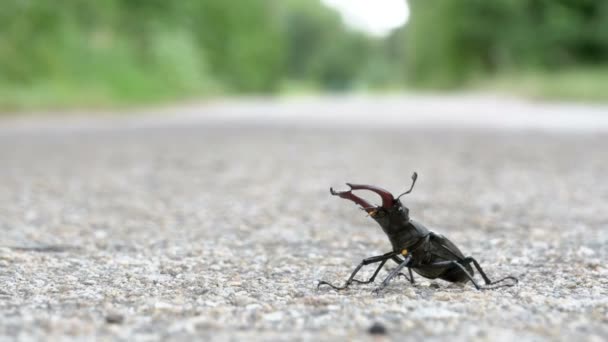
x=373, y=277
x=392, y=275
x=411, y=277
x=465, y=261
x=485, y=277
x=372, y=260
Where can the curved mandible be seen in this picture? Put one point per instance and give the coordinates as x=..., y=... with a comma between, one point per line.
x=350, y=196
x=387, y=197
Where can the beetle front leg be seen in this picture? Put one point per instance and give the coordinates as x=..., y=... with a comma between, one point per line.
x=372, y=260
x=373, y=277
x=393, y=273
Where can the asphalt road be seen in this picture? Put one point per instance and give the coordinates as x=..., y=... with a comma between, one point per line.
x=216, y=222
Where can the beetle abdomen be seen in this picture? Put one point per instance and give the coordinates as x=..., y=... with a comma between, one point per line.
x=430, y=273
x=450, y=273
x=456, y=275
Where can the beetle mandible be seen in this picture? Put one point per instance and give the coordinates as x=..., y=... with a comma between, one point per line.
x=428, y=254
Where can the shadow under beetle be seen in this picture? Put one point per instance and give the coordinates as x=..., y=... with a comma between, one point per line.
x=428, y=254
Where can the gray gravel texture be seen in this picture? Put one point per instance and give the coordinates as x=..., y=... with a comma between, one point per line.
x=221, y=231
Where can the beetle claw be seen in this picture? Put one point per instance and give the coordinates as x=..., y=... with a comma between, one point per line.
x=337, y=288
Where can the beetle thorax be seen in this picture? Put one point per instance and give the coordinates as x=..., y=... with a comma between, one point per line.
x=396, y=224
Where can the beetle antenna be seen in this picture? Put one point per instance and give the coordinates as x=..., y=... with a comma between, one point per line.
x=414, y=177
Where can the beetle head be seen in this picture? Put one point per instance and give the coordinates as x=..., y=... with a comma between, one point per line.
x=391, y=217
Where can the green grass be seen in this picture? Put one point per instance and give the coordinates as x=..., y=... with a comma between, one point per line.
x=579, y=84
x=113, y=81
x=101, y=77
x=65, y=94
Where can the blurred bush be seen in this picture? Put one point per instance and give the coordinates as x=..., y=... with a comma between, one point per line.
x=450, y=42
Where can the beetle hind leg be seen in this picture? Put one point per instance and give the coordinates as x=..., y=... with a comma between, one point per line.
x=487, y=280
x=464, y=264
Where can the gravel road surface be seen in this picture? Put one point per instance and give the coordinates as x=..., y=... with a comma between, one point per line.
x=217, y=223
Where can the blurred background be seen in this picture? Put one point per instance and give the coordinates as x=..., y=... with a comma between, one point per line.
x=115, y=52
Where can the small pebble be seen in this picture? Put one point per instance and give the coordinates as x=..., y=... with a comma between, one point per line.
x=115, y=318
x=377, y=329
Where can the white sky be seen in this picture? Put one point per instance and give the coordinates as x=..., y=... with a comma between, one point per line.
x=376, y=17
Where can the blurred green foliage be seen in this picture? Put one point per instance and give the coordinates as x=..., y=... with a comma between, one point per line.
x=82, y=52
x=88, y=53
x=451, y=42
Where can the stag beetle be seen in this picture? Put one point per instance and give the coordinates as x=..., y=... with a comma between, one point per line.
x=429, y=254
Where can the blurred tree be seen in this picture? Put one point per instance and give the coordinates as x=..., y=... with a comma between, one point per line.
x=320, y=48
x=449, y=41
x=243, y=42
